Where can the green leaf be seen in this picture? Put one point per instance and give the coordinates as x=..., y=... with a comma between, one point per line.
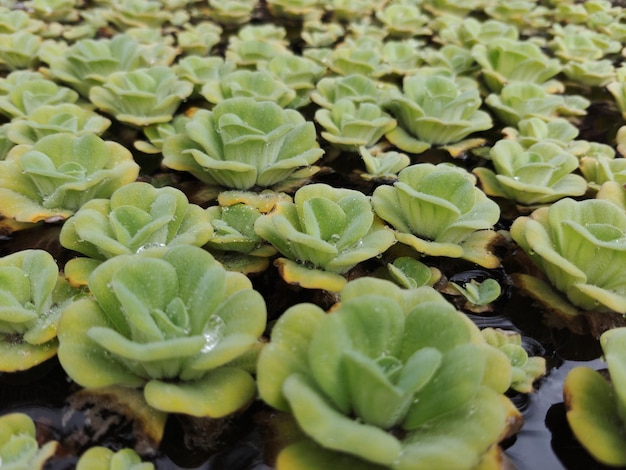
x=218, y=393
x=333, y=430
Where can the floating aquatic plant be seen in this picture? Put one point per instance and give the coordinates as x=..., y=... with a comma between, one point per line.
x=594, y=73
x=258, y=84
x=12, y=20
x=505, y=61
x=143, y=96
x=361, y=56
x=386, y=358
x=409, y=273
x=32, y=295
x=324, y=233
x=617, y=88
x=102, y=458
x=349, y=125
x=580, y=44
x=298, y=73
x=170, y=320
x=22, y=92
x=89, y=62
x=432, y=110
x=403, y=19
x=135, y=217
x=243, y=143
x=595, y=405
x=469, y=31
x=519, y=100
x=315, y=33
x=400, y=56
x=234, y=242
x=438, y=210
x=18, y=443
x=578, y=246
x=256, y=43
x=204, y=72
x=231, y=12
x=380, y=164
x=540, y=174
x=136, y=14
x=54, y=10
x=19, y=50
x=53, y=178
x=526, y=370
x=199, y=39
x=292, y=9
x=357, y=88
x=53, y=119
x=557, y=131
x=479, y=293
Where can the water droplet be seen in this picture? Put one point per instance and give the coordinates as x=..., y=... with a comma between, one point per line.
x=147, y=246
x=213, y=333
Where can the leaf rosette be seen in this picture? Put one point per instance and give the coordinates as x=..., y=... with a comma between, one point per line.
x=143, y=96
x=243, y=143
x=103, y=458
x=32, y=295
x=438, y=210
x=349, y=125
x=386, y=359
x=596, y=406
x=540, y=174
x=580, y=246
x=135, y=217
x=324, y=233
x=88, y=62
x=18, y=443
x=54, y=177
x=505, y=61
x=53, y=119
x=433, y=110
x=170, y=320
x=22, y=92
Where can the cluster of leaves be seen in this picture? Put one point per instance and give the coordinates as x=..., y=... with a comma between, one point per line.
x=208, y=97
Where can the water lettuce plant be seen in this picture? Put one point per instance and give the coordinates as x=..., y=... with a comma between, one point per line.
x=432, y=110
x=243, y=143
x=526, y=370
x=521, y=100
x=595, y=405
x=19, y=50
x=540, y=174
x=103, y=458
x=51, y=179
x=171, y=320
x=53, y=119
x=19, y=448
x=258, y=84
x=322, y=234
x=355, y=87
x=137, y=216
x=234, y=242
x=438, y=210
x=88, y=62
x=349, y=125
x=142, y=96
x=23, y=91
x=32, y=296
x=380, y=164
x=578, y=245
x=506, y=61
x=391, y=378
